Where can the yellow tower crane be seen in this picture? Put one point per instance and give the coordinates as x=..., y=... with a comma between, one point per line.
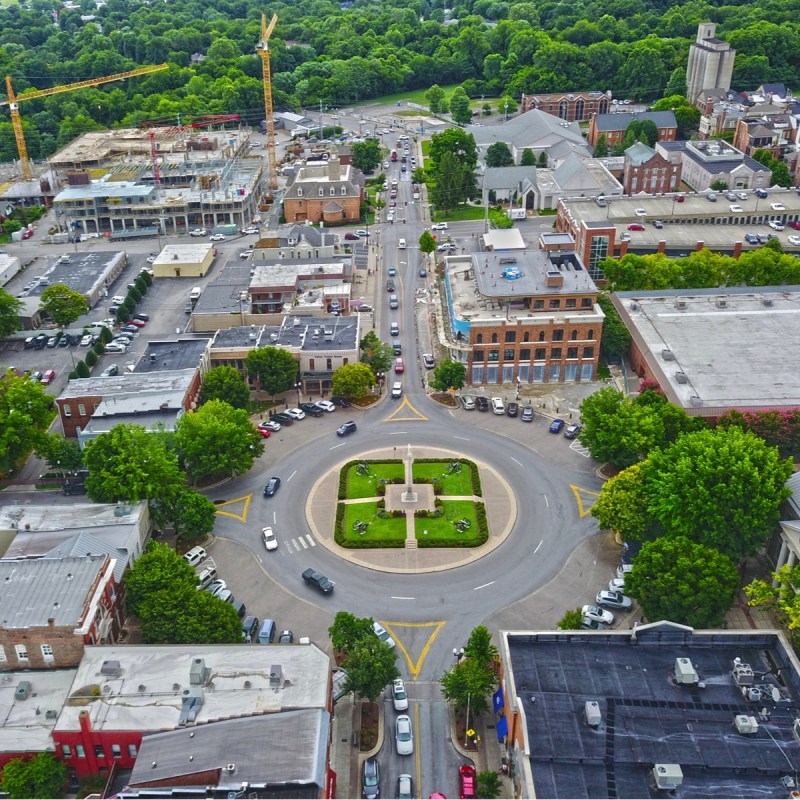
x=14, y=101
x=263, y=52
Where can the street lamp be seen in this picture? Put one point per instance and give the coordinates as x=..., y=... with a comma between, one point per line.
x=458, y=653
x=379, y=376
x=506, y=107
x=297, y=387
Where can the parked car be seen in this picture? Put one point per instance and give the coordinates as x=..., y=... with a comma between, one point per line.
x=351, y=237
x=777, y=206
x=270, y=425
x=346, y=428
x=587, y=623
x=598, y=613
x=217, y=237
x=556, y=425
x=751, y=238
x=27, y=234
x=640, y=212
x=110, y=371
x=382, y=633
x=657, y=223
x=265, y=433
x=86, y=341
x=371, y=779
x=198, y=232
x=286, y=637
x=399, y=696
x=762, y=193
x=142, y=317
x=498, y=407
x=711, y=197
x=512, y=409
x=613, y=600
x=53, y=341
x=318, y=581
x=794, y=240
x=341, y=402
x=527, y=414
x=481, y=403
x=403, y=735
x=776, y=225
x=572, y=431
x=295, y=413
x=423, y=273
x=272, y=486
x=283, y=419
x=635, y=226
x=428, y=361
x=246, y=253
x=468, y=402
x=466, y=782
x=617, y=584
x=137, y=323
x=312, y=409
x=736, y=207
x=326, y=405
x=362, y=233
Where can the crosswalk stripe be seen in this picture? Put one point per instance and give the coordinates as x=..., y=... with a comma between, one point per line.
x=311, y=540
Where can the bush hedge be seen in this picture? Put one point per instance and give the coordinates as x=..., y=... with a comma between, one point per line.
x=90, y=358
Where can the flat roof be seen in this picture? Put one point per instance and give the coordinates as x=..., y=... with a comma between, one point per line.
x=82, y=272
x=196, y=252
x=647, y=717
x=28, y=724
x=130, y=384
x=297, y=333
x=144, y=691
x=290, y=274
x=715, y=349
x=182, y=354
x=103, y=189
x=33, y=591
x=504, y=239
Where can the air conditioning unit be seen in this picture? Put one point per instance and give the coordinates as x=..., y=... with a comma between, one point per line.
x=681, y=377
x=767, y=301
x=722, y=303
x=667, y=776
x=685, y=673
x=591, y=712
x=667, y=354
x=680, y=304
x=634, y=306
x=745, y=724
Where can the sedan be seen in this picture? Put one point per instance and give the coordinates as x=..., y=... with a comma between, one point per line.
x=468, y=401
x=439, y=226
x=428, y=361
x=265, y=433
x=403, y=735
x=777, y=206
x=512, y=409
x=599, y=614
x=657, y=223
x=399, y=696
x=751, y=238
x=137, y=323
x=556, y=425
x=736, y=207
x=613, y=600
x=362, y=234
x=616, y=584
x=635, y=226
x=326, y=406
x=342, y=402
x=245, y=254
x=28, y=233
x=640, y=212
x=466, y=782
x=351, y=237
x=216, y=587
x=527, y=414
x=405, y=787
x=86, y=341
x=296, y=413
x=151, y=259
x=587, y=623
x=776, y=225
x=116, y=347
x=371, y=779
x=270, y=425
x=272, y=487
x=795, y=240
x=423, y=273
x=286, y=637
x=391, y=272
x=110, y=371
x=217, y=237
x=382, y=633
x=311, y=408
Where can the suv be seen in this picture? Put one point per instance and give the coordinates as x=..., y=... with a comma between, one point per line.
x=318, y=580
x=389, y=285
x=348, y=427
x=498, y=406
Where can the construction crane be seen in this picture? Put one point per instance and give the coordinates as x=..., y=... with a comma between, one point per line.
x=14, y=101
x=263, y=52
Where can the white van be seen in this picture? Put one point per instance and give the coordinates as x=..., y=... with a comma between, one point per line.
x=401, y=244
x=195, y=556
x=195, y=293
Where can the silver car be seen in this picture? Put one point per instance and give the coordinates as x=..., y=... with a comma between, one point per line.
x=404, y=738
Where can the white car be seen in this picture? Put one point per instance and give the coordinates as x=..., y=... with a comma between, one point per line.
x=382, y=633
x=447, y=247
x=795, y=240
x=776, y=225
x=87, y=340
x=439, y=226
x=325, y=405
x=270, y=425
x=598, y=614
x=296, y=413
x=736, y=207
x=249, y=231
x=399, y=696
x=777, y=206
x=403, y=736
x=198, y=232
x=117, y=300
x=498, y=407
x=362, y=233
x=116, y=347
x=245, y=254
x=613, y=599
x=217, y=237
x=151, y=259
x=640, y=212
x=268, y=535
x=616, y=585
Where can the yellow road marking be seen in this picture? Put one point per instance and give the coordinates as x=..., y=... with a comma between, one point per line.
x=241, y=517
x=580, y=494
x=418, y=416
x=414, y=668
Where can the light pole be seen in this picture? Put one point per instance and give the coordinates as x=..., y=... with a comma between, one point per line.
x=297, y=387
x=466, y=722
x=458, y=654
x=506, y=107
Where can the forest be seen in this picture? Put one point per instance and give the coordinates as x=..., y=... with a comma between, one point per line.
x=337, y=54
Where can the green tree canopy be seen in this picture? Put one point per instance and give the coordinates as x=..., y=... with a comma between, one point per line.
x=427, y=244
x=195, y=516
x=378, y=355
x=676, y=579
x=622, y=505
x=449, y=189
x=60, y=453
x=435, y=97
x=42, y=776
x=616, y=337
x=571, y=621
x=227, y=384
x=157, y=569
x=353, y=380
x=366, y=156
x=601, y=147
x=458, y=142
x=480, y=647
x=721, y=488
x=459, y=106
x=783, y=597
x=62, y=304
x=9, y=313
x=273, y=369
x=348, y=630
x=471, y=682
x=26, y=411
x=448, y=375
x=217, y=440
x=498, y=155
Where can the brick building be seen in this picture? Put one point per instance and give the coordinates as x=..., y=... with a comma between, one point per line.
x=330, y=192
x=774, y=133
x=648, y=171
x=570, y=106
x=54, y=607
x=615, y=125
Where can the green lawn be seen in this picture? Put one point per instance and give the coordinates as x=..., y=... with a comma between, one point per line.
x=460, y=214
x=443, y=528
x=380, y=530
x=415, y=96
x=459, y=484
x=366, y=485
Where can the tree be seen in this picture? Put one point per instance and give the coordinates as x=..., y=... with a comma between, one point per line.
x=469, y=682
x=375, y=353
x=225, y=383
x=458, y=142
x=157, y=569
x=528, y=158
x=427, y=244
x=498, y=155
x=42, y=776
x=488, y=785
x=448, y=190
x=571, y=621
x=601, y=147
x=353, y=380
x=130, y=463
x=676, y=84
x=480, y=647
x=448, y=375
x=719, y=185
x=366, y=156
x=783, y=597
x=507, y=105
x=274, y=370
x=676, y=579
x=622, y=505
x=217, y=440
x=26, y=411
x=721, y=488
x=195, y=516
x=348, y=630
x=60, y=453
x=62, y=304
x=459, y=106
x=434, y=97
x=616, y=337
x=9, y=313
x=542, y=161
x=371, y=665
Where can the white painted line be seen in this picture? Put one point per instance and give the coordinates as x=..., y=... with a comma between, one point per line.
x=397, y=433
x=463, y=438
x=515, y=461
x=337, y=445
x=274, y=517
x=547, y=502
x=402, y=598
x=311, y=540
x=303, y=542
x=483, y=586
x=291, y=476
x=538, y=546
x=296, y=546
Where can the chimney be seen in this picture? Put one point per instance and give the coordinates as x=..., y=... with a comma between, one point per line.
x=85, y=722
x=334, y=169
x=51, y=622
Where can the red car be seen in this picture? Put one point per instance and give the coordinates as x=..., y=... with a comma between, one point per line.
x=139, y=323
x=28, y=233
x=679, y=198
x=265, y=433
x=635, y=226
x=466, y=782
x=352, y=237
x=794, y=224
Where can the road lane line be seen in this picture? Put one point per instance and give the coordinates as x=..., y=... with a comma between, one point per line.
x=483, y=586
x=402, y=598
x=515, y=461
x=538, y=546
x=291, y=476
x=547, y=502
x=464, y=439
x=296, y=546
x=337, y=445
x=416, y=727
x=303, y=542
x=397, y=433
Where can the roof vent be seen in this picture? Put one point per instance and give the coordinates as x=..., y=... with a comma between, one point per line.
x=667, y=354
x=111, y=669
x=142, y=687
x=51, y=714
x=591, y=712
x=696, y=401
x=634, y=306
x=681, y=377
x=767, y=301
x=23, y=690
x=275, y=675
x=667, y=776
x=722, y=302
x=680, y=304
x=230, y=769
x=198, y=672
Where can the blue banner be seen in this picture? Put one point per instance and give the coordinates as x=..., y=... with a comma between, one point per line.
x=498, y=701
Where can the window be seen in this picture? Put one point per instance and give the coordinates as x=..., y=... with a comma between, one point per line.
x=558, y=336
x=555, y=352
x=588, y=352
x=590, y=334
x=524, y=373
x=491, y=374
x=132, y=751
x=22, y=652
x=477, y=374
x=329, y=364
x=99, y=752
x=299, y=191
x=321, y=192
x=554, y=375
x=494, y=355
x=571, y=372
x=479, y=339
x=586, y=302
x=573, y=336
x=541, y=336
x=494, y=338
x=598, y=250
x=79, y=751
x=508, y=355
x=332, y=191
x=527, y=336
x=47, y=652
x=538, y=304
x=555, y=304
x=525, y=354
x=81, y=410
x=3, y=658
x=477, y=355
x=67, y=410
x=511, y=336
x=116, y=751
x=572, y=352
x=66, y=751
x=587, y=372
x=541, y=354
x=571, y=302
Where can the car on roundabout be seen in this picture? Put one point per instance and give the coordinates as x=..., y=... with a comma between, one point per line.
x=346, y=428
x=273, y=484
x=382, y=633
x=319, y=581
x=268, y=537
x=351, y=237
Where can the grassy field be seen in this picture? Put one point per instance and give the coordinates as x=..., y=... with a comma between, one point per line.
x=459, y=484
x=413, y=96
x=380, y=530
x=366, y=485
x=459, y=214
x=443, y=528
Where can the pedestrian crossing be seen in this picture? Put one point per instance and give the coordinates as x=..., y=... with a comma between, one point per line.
x=299, y=543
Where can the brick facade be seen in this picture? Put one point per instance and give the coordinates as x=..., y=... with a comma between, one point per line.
x=656, y=176
x=616, y=133
x=569, y=106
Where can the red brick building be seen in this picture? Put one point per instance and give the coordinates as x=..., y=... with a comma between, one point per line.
x=648, y=171
x=569, y=106
x=615, y=125
x=331, y=193
x=773, y=133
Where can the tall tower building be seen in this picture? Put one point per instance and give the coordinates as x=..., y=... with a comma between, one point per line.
x=710, y=63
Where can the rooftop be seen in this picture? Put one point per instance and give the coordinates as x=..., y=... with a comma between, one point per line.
x=130, y=384
x=34, y=591
x=191, y=252
x=619, y=120
x=181, y=354
x=28, y=723
x=153, y=688
x=297, y=333
x=703, y=345
x=291, y=274
x=646, y=717
x=82, y=272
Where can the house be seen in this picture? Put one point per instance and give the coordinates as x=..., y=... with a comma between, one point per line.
x=573, y=176
x=569, y=106
x=649, y=171
x=710, y=63
x=54, y=607
x=775, y=133
x=296, y=243
x=184, y=260
x=523, y=316
x=514, y=185
x=657, y=710
x=614, y=126
x=329, y=193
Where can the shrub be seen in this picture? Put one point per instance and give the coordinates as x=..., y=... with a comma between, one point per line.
x=99, y=347
x=91, y=358
x=82, y=369
x=134, y=294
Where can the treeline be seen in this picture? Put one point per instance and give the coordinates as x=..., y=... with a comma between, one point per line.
x=324, y=53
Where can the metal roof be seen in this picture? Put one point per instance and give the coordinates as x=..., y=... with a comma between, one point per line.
x=620, y=120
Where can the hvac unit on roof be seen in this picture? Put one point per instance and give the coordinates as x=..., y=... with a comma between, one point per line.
x=742, y=673
x=685, y=672
x=667, y=354
x=696, y=401
x=722, y=302
x=767, y=301
x=668, y=776
x=681, y=377
x=680, y=304
x=275, y=675
x=591, y=712
x=634, y=306
x=745, y=724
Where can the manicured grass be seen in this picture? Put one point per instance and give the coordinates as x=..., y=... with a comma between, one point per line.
x=443, y=528
x=414, y=96
x=366, y=485
x=460, y=214
x=391, y=529
x=458, y=484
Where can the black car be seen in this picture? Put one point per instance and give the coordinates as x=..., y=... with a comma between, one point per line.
x=318, y=580
x=284, y=419
x=313, y=410
x=342, y=402
x=142, y=317
x=286, y=637
x=40, y=341
x=527, y=414
x=371, y=779
x=481, y=403
x=512, y=409
x=348, y=427
x=272, y=487
x=761, y=193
